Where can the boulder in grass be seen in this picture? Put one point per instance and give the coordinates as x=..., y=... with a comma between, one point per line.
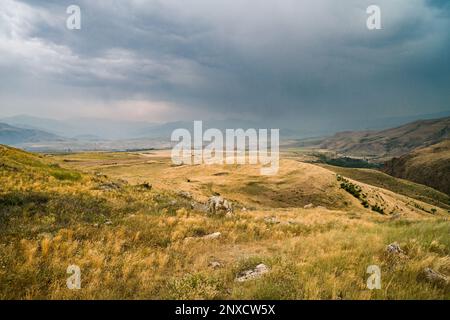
x=252, y=274
x=215, y=264
x=218, y=205
x=185, y=194
x=271, y=220
x=109, y=186
x=435, y=278
x=394, y=248
x=394, y=256
x=211, y=236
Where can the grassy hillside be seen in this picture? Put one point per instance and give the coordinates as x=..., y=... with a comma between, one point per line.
x=390, y=143
x=132, y=241
x=429, y=166
x=400, y=186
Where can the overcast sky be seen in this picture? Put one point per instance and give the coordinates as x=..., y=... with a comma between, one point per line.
x=283, y=60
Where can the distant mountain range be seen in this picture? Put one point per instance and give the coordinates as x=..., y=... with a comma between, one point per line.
x=103, y=129
x=13, y=135
x=389, y=143
x=42, y=134
x=81, y=127
x=100, y=129
x=417, y=151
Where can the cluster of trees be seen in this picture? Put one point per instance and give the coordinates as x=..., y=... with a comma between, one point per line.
x=356, y=191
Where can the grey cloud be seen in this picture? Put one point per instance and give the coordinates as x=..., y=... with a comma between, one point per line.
x=310, y=61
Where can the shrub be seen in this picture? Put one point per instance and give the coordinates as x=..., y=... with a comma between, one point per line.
x=378, y=209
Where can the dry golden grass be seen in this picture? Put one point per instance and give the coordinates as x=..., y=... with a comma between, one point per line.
x=134, y=243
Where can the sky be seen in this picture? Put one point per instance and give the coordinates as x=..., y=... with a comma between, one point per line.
x=290, y=62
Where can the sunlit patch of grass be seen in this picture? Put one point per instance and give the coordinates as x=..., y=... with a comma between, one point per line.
x=66, y=175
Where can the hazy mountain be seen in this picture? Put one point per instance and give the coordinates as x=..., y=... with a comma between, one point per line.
x=13, y=135
x=101, y=129
x=81, y=127
x=90, y=129
x=390, y=142
x=30, y=122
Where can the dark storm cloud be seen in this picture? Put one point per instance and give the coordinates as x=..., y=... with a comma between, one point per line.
x=291, y=60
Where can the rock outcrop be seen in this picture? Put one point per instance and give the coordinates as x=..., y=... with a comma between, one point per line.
x=218, y=205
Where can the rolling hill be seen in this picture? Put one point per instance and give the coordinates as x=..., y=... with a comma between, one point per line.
x=389, y=143
x=429, y=166
x=133, y=224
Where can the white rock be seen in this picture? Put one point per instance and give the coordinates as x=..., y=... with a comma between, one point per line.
x=215, y=264
x=214, y=235
x=394, y=248
x=247, y=275
x=218, y=205
x=185, y=194
x=271, y=220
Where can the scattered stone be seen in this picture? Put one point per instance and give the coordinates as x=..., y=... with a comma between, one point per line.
x=108, y=186
x=247, y=275
x=308, y=206
x=108, y=222
x=394, y=255
x=211, y=236
x=95, y=225
x=394, y=248
x=271, y=220
x=218, y=205
x=435, y=278
x=214, y=235
x=101, y=175
x=215, y=264
x=173, y=202
x=185, y=194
